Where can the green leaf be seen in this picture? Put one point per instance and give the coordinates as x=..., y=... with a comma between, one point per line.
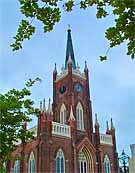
x=15, y=108
x=103, y=58
x=69, y=5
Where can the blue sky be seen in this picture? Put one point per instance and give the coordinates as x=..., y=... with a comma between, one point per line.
x=112, y=83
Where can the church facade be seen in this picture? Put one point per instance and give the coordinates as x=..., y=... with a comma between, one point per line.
x=65, y=139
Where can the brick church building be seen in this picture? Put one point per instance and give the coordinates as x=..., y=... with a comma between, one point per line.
x=65, y=139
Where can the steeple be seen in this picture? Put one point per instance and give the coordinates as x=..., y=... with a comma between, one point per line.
x=69, y=51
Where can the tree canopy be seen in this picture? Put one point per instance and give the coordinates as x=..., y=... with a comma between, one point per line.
x=15, y=110
x=49, y=13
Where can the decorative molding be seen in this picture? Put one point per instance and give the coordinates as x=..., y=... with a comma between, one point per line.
x=75, y=72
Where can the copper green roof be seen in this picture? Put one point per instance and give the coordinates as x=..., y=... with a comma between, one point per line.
x=69, y=51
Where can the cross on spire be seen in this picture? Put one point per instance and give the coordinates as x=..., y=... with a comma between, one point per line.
x=69, y=26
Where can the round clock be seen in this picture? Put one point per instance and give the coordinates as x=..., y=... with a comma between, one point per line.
x=62, y=89
x=78, y=87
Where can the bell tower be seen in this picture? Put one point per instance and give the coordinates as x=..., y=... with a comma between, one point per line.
x=71, y=91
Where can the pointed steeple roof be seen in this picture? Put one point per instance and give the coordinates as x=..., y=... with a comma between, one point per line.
x=69, y=51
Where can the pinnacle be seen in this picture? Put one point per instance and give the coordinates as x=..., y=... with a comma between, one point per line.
x=71, y=114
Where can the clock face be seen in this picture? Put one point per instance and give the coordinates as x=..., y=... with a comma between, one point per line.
x=62, y=89
x=78, y=87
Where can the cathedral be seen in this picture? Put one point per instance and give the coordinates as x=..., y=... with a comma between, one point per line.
x=65, y=138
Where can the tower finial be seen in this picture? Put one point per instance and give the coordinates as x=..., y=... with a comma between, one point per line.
x=112, y=125
x=96, y=120
x=55, y=69
x=49, y=106
x=85, y=68
x=41, y=106
x=96, y=124
x=107, y=128
x=44, y=109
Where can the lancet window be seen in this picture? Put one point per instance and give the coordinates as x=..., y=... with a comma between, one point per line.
x=79, y=114
x=63, y=114
x=31, y=163
x=107, y=164
x=60, y=162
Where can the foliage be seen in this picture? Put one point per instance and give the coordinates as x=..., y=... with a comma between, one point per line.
x=2, y=169
x=49, y=13
x=15, y=110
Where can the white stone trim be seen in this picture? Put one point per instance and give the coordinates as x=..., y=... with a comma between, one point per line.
x=59, y=129
x=106, y=139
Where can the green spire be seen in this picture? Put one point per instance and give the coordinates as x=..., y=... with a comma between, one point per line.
x=69, y=51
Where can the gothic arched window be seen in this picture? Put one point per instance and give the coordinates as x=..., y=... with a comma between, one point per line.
x=107, y=164
x=79, y=114
x=82, y=163
x=16, y=166
x=63, y=114
x=31, y=163
x=60, y=162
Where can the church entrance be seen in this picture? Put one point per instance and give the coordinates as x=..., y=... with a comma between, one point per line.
x=85, y=161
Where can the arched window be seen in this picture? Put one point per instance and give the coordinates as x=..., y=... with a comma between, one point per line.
x=79, y=113
x=107, y=164
x=31, y=163
x=63, y=114
x=16, y=166
x=82, y=163
x=60, y=162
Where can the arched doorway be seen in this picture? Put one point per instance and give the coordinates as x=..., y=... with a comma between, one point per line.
x=85, y=161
